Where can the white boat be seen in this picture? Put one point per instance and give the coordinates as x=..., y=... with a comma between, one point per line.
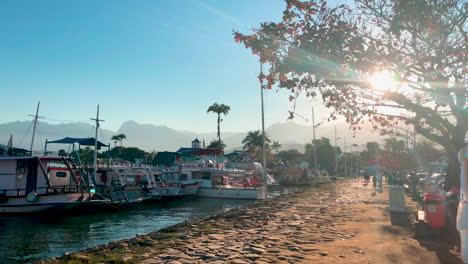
x=29, y=185
x=226, y=183
x=172, y=183
x=122, y=184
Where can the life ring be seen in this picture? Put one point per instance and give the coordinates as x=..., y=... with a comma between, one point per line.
x=138, y=179
x=104, y=177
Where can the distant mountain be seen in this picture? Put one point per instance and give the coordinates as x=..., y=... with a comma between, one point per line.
x=159, y=138
x=22, y=133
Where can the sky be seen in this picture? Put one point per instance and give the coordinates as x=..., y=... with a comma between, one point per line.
x=151, y=61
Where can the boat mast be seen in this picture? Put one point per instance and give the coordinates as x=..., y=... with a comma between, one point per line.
x=36, y=116
x=96, y=141
x=264, y=174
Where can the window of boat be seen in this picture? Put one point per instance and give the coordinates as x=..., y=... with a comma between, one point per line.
x=183, y=177
x=197, y=175
x=206, y=175
x=61, y=174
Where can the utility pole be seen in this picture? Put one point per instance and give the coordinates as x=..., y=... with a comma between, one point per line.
x=345, y=158
x=313, y=141
x=96, y=141
x=36, y=116
x=264, y=174
x=336, y=153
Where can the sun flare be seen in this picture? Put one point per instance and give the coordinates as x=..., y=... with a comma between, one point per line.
x=382, y=81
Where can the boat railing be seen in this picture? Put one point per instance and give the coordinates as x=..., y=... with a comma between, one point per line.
x=59, y=189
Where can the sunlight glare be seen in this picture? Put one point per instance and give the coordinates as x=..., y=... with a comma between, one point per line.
x=382, y=81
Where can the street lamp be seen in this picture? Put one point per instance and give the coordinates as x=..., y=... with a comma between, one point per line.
x=313, y=140
x=336, y=152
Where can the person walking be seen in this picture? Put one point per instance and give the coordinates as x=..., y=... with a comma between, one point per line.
x=374, y=182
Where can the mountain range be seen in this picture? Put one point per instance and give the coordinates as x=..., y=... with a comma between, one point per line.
x=151, y=137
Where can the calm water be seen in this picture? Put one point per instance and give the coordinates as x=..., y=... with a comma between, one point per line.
x=29, y=239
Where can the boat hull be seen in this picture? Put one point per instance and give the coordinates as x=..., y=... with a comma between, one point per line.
x=189, y=188
x=225, y=193
x=44, y=203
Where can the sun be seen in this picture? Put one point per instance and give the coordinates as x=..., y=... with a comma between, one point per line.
x=382, y=81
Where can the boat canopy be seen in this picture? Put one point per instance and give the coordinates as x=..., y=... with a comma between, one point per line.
x=81, y=141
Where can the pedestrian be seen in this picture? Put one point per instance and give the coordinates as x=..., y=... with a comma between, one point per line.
x=374, y=182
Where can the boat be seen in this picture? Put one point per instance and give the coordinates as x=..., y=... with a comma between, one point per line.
x=31, y=184
x=123, y=184
x=173, y=183
x=226, y=183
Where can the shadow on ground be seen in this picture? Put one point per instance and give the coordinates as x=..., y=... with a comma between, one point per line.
x=432, y=239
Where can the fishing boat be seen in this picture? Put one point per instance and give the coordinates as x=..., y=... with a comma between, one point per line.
x=227, y=183
x=31, y=184
x=173, y=183
x=123, y=184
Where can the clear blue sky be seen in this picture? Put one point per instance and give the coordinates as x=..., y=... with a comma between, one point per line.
x=159, y=62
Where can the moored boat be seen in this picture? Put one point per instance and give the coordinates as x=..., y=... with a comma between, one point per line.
x=29, y=185
x=226, y=183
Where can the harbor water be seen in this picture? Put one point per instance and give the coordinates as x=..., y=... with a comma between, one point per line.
x=27, y=239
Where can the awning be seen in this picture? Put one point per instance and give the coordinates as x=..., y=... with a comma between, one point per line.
x=81, y=141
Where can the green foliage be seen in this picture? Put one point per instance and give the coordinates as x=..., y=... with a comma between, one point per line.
x=129, y=154
x=394, y=145
x=254, y=139
x=219, y=109
x=86, y=155
x=325, y=154
x=424, y=153
x=119, y=138
x=215, y=143
x=275, y=146
x=293, y=156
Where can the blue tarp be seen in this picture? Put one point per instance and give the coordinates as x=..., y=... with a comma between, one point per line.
x=81, y=141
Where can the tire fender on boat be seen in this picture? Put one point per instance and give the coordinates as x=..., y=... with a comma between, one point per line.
x=32, y=197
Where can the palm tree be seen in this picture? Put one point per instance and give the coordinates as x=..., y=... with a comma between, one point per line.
x=219, y=109
x=276, y=146
x=254, y=139
x=217, y=144
x=119, y=138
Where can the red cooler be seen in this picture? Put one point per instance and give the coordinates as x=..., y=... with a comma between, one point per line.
x=434, y=208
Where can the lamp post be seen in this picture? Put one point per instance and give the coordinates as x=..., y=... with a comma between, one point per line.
x=313, y=140
x=336, y=152
x=264, y=174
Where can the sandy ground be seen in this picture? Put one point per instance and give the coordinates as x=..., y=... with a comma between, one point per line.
x=345, y=222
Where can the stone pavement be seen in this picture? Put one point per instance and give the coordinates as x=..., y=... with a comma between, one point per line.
x=343, y=222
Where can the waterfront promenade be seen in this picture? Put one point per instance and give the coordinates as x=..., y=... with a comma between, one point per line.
x=342, y=222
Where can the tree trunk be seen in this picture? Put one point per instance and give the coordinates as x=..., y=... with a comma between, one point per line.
x=453, y=171
x=219, y=132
